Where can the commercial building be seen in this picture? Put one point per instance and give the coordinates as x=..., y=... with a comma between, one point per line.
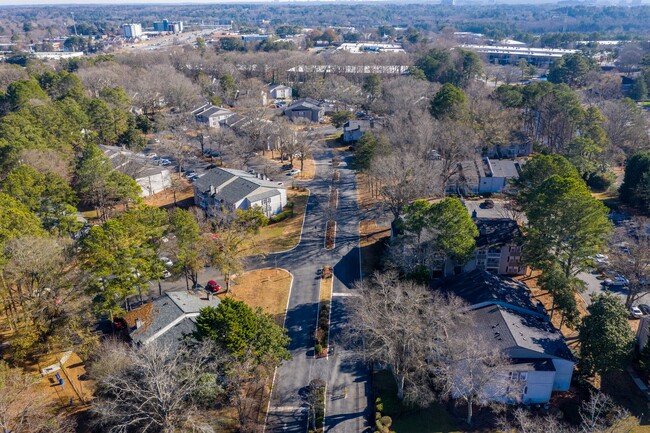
x=168, y=26
x=132, y=31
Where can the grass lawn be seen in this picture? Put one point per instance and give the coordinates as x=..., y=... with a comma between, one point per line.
x=433, y=419
x=326, y=287
x=284, y=234
x=267, y=289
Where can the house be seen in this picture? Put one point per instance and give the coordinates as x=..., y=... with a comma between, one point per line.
x=278, y=91
x=213, y=116
x=223, y=188
x=151, y=178
x=506, y=316
x=353, y=130
x=168, y=319
x=306, y=108
x=484, y=176
x=498, y=247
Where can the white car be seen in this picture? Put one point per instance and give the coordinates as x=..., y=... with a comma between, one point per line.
x=636, y=312
x=165, y=162
x=166, y=274
x=616, y=281
x=166, y=261
x=294, y=171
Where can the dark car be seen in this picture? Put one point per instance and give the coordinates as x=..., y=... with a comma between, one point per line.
x=287, y=166
x=211, y=166
x=488, y=204
x=645, y=309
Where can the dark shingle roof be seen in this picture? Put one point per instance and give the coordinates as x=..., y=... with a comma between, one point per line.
x=496, y=231
x=507, y=329
x=479, y=287
x=235, y=185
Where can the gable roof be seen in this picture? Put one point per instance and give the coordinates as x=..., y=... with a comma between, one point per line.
x=507, y=329
x=273, y=86
x=235, y=185
x=304, y=104
x=496, y=231
x=354, y=125
x=479, y=288
x=169, y=318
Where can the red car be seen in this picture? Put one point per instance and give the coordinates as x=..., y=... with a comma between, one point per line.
x=213, y=287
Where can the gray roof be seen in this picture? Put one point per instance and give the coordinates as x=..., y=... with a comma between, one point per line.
x=169, y=318
x=528, y=364
x=278, y=86
x=134, y=165
x=496, y=231
x=505, y=168
x=354, y=125
x=508, y=329
x=235, y=185
x=479, y=287
x=304, y=104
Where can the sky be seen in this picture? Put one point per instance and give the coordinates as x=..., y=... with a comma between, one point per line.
x=112, y=2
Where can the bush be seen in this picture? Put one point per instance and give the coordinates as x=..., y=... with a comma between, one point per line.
x=601, y=181
x=281, y=216
x=318, y=348
x=290, y=205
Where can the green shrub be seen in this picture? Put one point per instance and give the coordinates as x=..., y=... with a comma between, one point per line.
x=318, y=348
x=281, y=216
x=290, y=205
x=601, y=181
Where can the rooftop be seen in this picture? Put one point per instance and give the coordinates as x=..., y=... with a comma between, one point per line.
x=479, y=287
x=235, y=185
x=169, y=318
x=496, y=231
x=507, y=328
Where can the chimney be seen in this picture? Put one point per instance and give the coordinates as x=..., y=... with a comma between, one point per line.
x=138, y=323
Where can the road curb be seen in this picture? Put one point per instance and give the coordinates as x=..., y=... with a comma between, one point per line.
x=302, y=228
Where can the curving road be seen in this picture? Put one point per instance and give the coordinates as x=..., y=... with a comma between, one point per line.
x=348, y=386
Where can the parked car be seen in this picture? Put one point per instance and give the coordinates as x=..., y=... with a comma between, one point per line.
x=287, y=166
x=488, y=204
x=213, y=287
x=166, y=261
x=616, y=281
x=166, y=274
x=165, y=162
x=635, y=312
x=645, y=309
x=294, y=172
x=211, y=166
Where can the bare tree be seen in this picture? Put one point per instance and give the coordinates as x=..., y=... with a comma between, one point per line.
x=400, y=324
x=601, y=414
x=523, y=421
x=23, y=405
x=631, y=257
x=626, y=126
x=470, y=369
x=454, y=143
x=150, y=388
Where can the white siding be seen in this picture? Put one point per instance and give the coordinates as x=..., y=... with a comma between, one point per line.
x=538, y=386
x=563, y=373
x=155, y=183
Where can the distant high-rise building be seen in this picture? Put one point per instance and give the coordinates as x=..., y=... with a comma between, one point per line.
x=167, y=26
x=132, y=31
x=448, y=2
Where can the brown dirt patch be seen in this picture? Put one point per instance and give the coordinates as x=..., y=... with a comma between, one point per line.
x=330, y=235
x=165, y=199
x=75, y=386
x=366, y=193
x=372, y=240
x=267, y=289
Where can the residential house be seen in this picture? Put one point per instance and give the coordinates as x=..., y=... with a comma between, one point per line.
x=223, y=188
x=169, y=319
x=306, y=108
x=353, y=130
x=278, y=91
x=498, y=247
x=213, y=116
x=151, y=178
x=507, y=317
x=484, y=176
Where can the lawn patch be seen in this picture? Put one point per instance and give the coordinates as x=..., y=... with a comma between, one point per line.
x=321, y=339
x=330, y=235
x=267, y=289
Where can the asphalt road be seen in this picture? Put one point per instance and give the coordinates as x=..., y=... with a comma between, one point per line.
x=347, y=391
